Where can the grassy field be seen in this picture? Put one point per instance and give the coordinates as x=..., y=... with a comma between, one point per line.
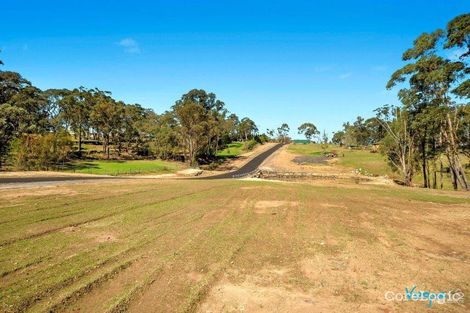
x=367, y=162
x=114, y=167
x=233, y=149
x=229, y=246
x=373, y=163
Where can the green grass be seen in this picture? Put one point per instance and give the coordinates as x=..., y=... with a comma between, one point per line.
x=122, y=167
x=233, y=149
x=373, y=163
x=111, y=247
x=365, y=161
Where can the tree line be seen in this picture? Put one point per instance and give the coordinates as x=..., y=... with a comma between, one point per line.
x=429, y=132
x=40, y=129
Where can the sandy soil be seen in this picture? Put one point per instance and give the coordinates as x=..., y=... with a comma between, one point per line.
x=283, y=161
x=141, y=245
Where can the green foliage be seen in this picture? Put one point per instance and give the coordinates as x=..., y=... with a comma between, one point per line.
x=283, y=133
x=247, y=128
x=10, y=120
x=458, y=30
x=193, y=130
x=41, y=152
x=309, y=130
x=338, y=138
x=363, y=132
x=429, y=123
x=263, y=138
x=249, y=145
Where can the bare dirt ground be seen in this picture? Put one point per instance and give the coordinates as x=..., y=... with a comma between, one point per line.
x=230, y=246
x=285, y=161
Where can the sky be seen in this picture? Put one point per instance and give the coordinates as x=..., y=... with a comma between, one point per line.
x=276, y=62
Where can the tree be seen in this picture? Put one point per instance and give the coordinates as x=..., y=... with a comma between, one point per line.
x=106, y=117
x=166, y=136
x=350, y=139
x=458, y=30
x=192, y=119
x=76, y=106
x=283, y=133
x=309, y=130
x=33, y=101
x=247, y=128
x=41, y=151
x=11, y=83
x=22, y=109
x=324, y=141
x=432, y=78
x=10, y=120
x=338, y=138
x=399, y=143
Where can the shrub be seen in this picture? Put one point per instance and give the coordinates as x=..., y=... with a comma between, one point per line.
x=39, y=152
x=249, y=145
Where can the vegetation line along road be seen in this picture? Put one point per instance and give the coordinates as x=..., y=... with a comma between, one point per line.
x=18, y=180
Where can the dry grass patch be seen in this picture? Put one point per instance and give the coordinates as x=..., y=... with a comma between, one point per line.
x=231, y=246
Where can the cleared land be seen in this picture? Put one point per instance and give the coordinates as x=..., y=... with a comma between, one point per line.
x=230, y=246
x=362, y=161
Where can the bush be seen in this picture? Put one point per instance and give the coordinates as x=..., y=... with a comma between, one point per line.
x=41, y=152
x=249, y=145
x=263, y=138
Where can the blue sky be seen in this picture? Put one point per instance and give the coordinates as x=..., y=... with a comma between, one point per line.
x=275, y=61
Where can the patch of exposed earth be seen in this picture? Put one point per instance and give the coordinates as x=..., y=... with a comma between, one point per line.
x=322, y=166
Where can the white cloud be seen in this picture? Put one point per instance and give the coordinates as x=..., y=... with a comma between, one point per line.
x=129, y=45
x=345, y=75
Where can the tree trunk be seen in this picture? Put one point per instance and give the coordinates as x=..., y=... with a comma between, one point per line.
x=442, y=175
x=453, y=157
x=423, y=154
x=80, y=141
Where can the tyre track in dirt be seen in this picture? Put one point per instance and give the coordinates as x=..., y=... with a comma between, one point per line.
x=111, y=262
x=137, y=266
x=55, y=229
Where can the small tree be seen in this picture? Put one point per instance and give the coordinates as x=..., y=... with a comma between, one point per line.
x=283, y=133
x=309, y=130
x=399, y=143
x=324, y=141
x=338, y=138
x=41, y=152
